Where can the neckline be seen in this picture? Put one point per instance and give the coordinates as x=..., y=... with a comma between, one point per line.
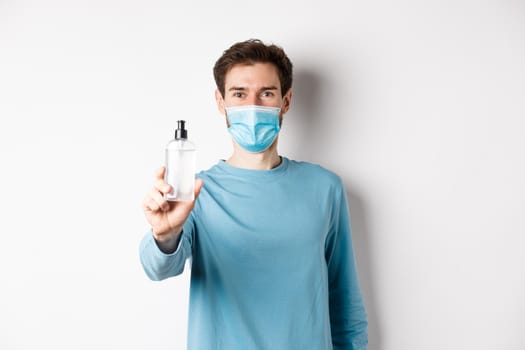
x=278, y=170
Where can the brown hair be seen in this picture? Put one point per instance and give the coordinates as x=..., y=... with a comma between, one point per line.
x=249, y=52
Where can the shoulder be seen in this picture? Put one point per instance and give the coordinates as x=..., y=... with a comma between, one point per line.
x=307, y=168
x=316, y=172
x=214, y=170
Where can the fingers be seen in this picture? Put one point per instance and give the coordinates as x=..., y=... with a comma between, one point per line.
x=162, y=186
x=154, y=200
x=159, y=199
x=159, y=174
x=150, y=204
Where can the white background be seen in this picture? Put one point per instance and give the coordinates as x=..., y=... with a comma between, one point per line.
x=418, y=105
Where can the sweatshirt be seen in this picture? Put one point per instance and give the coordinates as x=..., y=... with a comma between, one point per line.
x=272, y=261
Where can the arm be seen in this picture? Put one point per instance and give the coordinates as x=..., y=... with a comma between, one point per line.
x=168, y=244
x=348, y=318
x=160, y=262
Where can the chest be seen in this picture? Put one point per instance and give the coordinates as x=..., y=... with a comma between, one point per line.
x=278, y=218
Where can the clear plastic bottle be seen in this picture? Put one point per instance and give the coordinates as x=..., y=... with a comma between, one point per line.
x=180, y=166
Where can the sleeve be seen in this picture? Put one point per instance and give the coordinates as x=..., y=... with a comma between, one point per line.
x=348, y=319
x=159, y=265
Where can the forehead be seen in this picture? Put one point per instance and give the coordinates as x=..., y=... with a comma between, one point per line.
x=252, y=75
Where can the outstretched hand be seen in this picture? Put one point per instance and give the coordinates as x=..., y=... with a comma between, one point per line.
x=166, y=217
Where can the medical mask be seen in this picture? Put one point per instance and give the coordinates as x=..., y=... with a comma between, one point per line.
x=254, y=128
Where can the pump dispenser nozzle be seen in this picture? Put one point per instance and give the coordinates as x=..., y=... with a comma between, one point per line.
x=180, y=166
x=181, y=133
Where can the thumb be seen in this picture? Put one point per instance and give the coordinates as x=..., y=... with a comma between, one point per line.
x=198, y=186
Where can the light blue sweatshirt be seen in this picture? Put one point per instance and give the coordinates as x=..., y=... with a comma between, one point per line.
x=272, y=261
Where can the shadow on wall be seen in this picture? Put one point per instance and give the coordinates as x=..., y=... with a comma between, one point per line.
x=306, y=99
x=360, y=238
x=311, y=96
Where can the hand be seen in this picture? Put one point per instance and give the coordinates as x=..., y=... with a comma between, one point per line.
x=165, y=217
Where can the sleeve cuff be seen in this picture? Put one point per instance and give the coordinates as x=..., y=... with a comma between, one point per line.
x=159, y=251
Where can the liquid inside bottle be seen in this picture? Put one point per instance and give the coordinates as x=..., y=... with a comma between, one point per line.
x=180, y=166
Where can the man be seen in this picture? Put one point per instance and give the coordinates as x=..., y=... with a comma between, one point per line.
x=272, y=257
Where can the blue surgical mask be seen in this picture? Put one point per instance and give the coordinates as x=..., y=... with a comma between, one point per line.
x=254, y=128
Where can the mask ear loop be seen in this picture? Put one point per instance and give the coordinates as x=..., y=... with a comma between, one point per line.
x=281, y=116
x=224, y=106
x=282, y=105
x=228, y=123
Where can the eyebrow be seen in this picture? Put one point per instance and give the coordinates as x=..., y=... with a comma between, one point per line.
x=241, y=88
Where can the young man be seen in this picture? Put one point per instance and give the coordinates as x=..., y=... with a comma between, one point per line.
x=272, y=258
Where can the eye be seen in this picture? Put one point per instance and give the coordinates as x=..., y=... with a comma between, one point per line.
x=238, y=94
x=267, y=94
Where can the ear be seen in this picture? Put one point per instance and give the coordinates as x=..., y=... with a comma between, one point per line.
x=287, y=100
x=220, y=102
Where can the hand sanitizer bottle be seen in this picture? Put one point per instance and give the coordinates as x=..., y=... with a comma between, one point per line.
x=180, y=166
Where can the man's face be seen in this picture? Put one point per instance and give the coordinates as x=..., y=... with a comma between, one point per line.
x=256, y=84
